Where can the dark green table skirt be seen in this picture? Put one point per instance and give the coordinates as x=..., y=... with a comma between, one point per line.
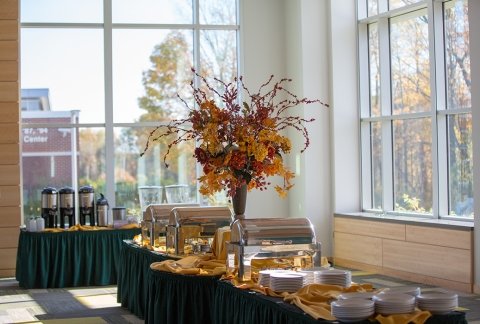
x=180, y=299
x=70, y=259
x=237, y=306
x=134, y=275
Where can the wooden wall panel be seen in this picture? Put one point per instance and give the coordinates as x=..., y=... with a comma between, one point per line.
x=9, y=133
x=9, y=91
x=10, y=154
x=9, y=237
x=9, y=113
x=358, y=248
x=9, y=175
x=9, y=258
x=8, y=30
x=436, y=261
x=9, y=50
x=10, y=216
x=9, y=71
x=440, y=236
x=370, y=228
x=10, y=188
x=9, y=9
x=9, y=196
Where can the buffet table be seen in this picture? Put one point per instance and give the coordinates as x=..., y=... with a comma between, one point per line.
x=164, y=297
x=173, y=298
x=134, y=275
x=70, y=258
x=233, y=305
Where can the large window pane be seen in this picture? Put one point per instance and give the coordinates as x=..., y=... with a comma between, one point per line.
x=152, y=11
x=372, y=7
x=377, y=169
x=374, y=65
x=410, y=67
x=460, y=165
x=91, y=160
x=62, y=11
x=218, y=55
x=68, y=63
x=457, y=55
x=150, y=67
x=218, y=12
x=47, y=157
x=132, y=171
x=413, y=165
x=394, y=4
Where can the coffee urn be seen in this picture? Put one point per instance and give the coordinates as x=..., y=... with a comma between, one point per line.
x=86, y=198
x=102, y=211
x=66, y=197
x=49, y=206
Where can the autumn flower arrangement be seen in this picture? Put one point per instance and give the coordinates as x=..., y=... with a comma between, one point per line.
x=237, y=143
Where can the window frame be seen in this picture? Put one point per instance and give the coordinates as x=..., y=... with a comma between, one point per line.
x=109, y=125
x=438, y=113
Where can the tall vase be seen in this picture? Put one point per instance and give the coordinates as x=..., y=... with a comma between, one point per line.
x=239, y=202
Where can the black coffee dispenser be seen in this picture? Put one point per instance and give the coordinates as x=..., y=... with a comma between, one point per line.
x=49, y=206
x=66, y=197
x=86, y=199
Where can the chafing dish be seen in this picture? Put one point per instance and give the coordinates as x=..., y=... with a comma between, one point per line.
x=191, y=229
x=263, y=243
x=155, y=221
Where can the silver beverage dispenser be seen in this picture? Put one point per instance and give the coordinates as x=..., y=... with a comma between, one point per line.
x=66, y=197
x=102, y=211
x=49, y=206
x=86, y=198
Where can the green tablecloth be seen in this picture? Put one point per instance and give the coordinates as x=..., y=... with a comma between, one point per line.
x=134, y=275
x=173, y=298
x=180, y=299
x=237, y=306
x=70, y=259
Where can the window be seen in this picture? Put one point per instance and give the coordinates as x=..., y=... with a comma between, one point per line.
x=416, y=113
x=97, y=76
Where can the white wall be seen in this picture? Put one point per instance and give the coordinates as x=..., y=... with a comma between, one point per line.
x=289, y=38
x=474, y=22
x=263, y=51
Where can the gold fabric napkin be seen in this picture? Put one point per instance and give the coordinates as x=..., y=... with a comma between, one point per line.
x=417, y=317
x=313, y=299
x=79, y=227
x=201, y=265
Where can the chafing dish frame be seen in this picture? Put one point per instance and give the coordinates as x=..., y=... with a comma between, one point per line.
x=206, y=219
x=243, y=246
x=155, y=220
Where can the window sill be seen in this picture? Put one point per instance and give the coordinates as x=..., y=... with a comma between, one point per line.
x=448, y=223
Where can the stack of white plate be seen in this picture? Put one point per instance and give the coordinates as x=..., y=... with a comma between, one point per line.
x=264, y=275
x=437, y=303
x=335, y=277
x=388, y=304
x=352, y=310
x=311, y=276
x=409, y=290
x=357, y=294
x=289, y=282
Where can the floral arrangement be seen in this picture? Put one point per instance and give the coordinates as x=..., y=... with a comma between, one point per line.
x=238, y=144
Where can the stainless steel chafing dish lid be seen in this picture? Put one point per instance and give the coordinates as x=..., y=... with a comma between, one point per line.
x=161, y=212
x=272, y=231
x=217, y=216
